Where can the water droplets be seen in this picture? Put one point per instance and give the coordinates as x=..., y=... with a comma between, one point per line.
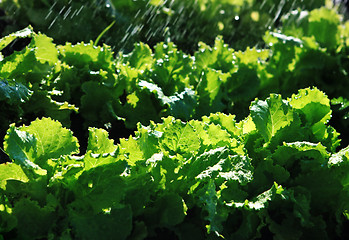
x=137, y=13
x=48, y=15
x=160, y=62
x=66, y=14
x=51, y=24
x=80, y=9
x=62, y=9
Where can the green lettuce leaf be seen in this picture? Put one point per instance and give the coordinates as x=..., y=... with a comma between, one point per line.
x=14, y=93
x=323, y=25
x=180, y=138
x=5, y=41
x=314, y=104
x=116, y=223
x=33, y=221
x=218, y=57
x=98, y=141
x=11, y=171
x=271, y=115
x=210, y=91
x=32, y=146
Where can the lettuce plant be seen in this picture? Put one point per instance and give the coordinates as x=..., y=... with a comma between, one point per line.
x=274, y=174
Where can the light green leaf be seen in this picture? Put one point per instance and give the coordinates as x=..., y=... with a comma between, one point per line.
x=203, y=162
x=180, y=138
x=26, y=32
x=21, y=147
x=226, y=122
x=98, y=141
x=210, y=91
x=92, y=160
x=234, y=168
x=287, y=39
x=340, y=157
x=52, y=140
x=211, y=135
x=263, y=199
x=307, y=146
x=247, y=125
x=148, y=140
x=252, y=56
x=130, y=151
x=219, y=57
x=45, y=50
x=324, y=25
x=32, y=146
x=11, y=171
x=141, y=57
x=271, y=115
x=313, y=103
x=171, y=68
x=309, y=156
x=181, y=105
x=209, y=84
x=82, y=54
x=32, y=64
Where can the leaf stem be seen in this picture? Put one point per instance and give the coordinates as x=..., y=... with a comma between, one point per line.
x=103, y=32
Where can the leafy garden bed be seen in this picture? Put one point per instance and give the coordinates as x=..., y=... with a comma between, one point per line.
x=174, y=130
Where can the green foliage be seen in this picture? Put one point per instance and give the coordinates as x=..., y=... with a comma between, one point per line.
x=242, y=23
x=221, y=174
x=149, y=84
x=60, y=80
x=190, y=170
x=310, y=50
x=14, y=93
x=271, y=115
